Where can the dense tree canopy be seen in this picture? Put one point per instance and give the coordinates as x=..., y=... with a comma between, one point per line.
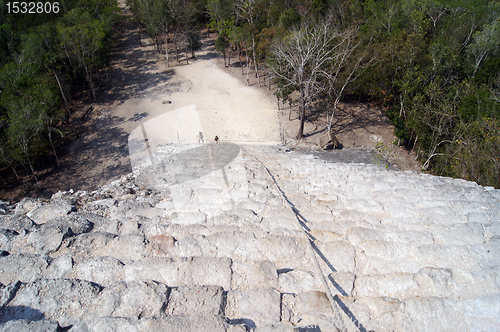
x=43, y=60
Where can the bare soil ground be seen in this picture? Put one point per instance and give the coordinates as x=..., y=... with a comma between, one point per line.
x=140, y=87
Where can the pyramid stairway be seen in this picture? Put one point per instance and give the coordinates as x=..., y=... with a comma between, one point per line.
x=223, y=237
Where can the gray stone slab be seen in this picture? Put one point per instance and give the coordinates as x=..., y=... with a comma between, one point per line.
x=64, y=300
x=23, y=267
x=103, y=270
x=45, y=212
x=192, y=300
x=30, y=326
x=136, y=299
x=253, y=274
x=254, y=307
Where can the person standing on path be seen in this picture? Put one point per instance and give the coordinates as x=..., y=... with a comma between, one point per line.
x=200, y=137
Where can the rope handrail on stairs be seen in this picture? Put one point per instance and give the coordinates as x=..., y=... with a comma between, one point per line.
x=339, y=322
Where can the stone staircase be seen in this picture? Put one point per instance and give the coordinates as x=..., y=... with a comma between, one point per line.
x=223, y=237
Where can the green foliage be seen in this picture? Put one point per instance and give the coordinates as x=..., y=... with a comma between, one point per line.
x=37, y=53
x=289, y=18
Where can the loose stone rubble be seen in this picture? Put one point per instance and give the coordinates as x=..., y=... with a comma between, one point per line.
x=173, y=248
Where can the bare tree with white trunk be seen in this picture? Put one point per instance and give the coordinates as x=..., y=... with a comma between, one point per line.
x=315, y=60
x=299, y=62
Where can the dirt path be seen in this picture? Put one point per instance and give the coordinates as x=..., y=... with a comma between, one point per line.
x=140, y=89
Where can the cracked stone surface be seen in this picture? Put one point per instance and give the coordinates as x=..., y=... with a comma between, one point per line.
x=213, y=245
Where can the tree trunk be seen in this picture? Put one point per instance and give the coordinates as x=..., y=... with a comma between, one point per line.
x=49, y=131
x=166, y=48
x=25, y=151
x=62, y=93
x=239, y=56
x=176, y=48
x=300, y=134
x=254, y=61
x=248, y=67
x=88, y=75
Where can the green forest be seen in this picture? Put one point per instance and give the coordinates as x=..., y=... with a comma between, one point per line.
x=434, y=67
x=46, y=60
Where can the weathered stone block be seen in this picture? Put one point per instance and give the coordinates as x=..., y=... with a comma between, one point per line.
x=337, y=254
x=341, y=283
x=138, y=299
x=248, y=275
x=309, y=309
x=205, y=271
x=192, y=300
x=26, y=205
x=459, y=234
x=59, y=267
x=45, y=212
x=16, y=222
x=30, y=326
x=298, y=281
x=23, y=267
x=65, y=300
x=185, y=323
x=160, y=269
x=254, y=307
x=101, y=270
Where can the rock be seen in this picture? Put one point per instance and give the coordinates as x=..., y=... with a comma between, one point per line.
x=248, y=275
x=16, y=222
x=100, y=207
x=297, y=281
x=431, y=314
x=101, y=224
x=129, y=247
x=342, y=282
x=6, y=237
x=309, y=310
x=26, y=205
x=73, y=224
x=278, y=327
x=65, y=300
x=22, y=267
x=460, y=234
x=44, y=212
x=140, y=299
x=161, y=244
x=93, y=244
x=338, y=255
x=8, y=292
x=47, y=240
x=192, y=300
x=108, y=324
x=101, y=270
x=205, y=271
x=160, y=269
x=185, y=323
x=254, y=307
x=30, y=326
x=60, y=267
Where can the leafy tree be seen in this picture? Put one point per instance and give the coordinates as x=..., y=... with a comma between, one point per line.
x=83, y=41
x=221, y=44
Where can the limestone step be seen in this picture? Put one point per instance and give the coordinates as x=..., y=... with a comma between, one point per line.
x=398, y=250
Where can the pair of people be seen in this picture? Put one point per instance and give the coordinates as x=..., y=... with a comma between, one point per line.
x=201, y=138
